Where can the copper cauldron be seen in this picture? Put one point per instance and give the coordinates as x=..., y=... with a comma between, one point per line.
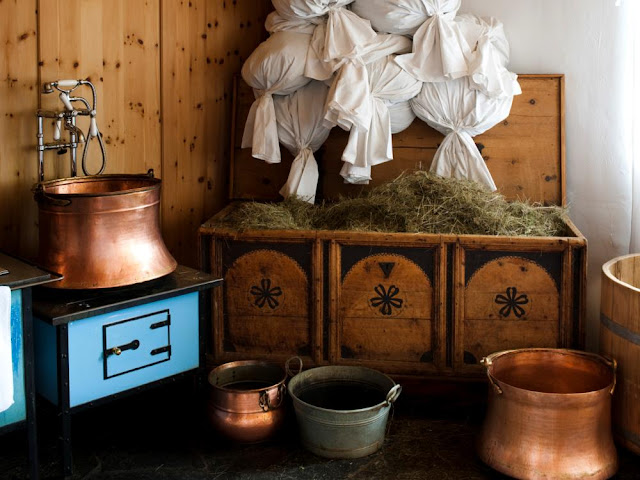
x=102, y=231
x=247, y=400
x=549, y=414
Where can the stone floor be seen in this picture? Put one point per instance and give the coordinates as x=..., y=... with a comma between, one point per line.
x=163, y=434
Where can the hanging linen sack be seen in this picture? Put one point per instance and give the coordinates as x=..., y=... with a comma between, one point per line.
x=276, y=67
x=402, y=17
x=440, y=50
x=389, y=85
x=349, y=100
x=276, y=23
x=300, y=118
x=459, y=112
x=489, y=55
x=345, y=32
x=401, y=116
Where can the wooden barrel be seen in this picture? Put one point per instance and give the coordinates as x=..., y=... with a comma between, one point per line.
x=620, y=339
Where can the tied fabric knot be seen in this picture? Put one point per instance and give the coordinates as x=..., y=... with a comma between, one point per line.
x=260, y=94
x=303, y=177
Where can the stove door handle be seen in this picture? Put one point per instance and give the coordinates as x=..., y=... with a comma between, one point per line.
x=118, y=350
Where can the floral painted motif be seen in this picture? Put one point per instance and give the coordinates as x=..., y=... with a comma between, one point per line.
x=265, y=294
x=512, y=302
x=386, y=299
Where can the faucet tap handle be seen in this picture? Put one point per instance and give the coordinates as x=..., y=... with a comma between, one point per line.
x=64, y=98
x=57, y=130
x=68, y=83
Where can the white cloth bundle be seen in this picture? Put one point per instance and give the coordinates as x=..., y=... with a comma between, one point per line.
x=276, y=67
x=301, y=130
x=459, y=112
x=6, y=368
x=489, y=56
x=440, y=49
x=402, y=17
x=388, y=85
x=345, y=31
x=349, y=102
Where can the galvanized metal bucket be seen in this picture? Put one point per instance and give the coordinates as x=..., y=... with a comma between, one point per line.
x=342, y=412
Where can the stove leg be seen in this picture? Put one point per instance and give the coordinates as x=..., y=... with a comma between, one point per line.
x=64, y=400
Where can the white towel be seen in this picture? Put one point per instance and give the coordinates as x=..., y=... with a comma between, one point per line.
x=6, y=370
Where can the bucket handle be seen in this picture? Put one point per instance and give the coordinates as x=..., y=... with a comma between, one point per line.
x=486, y=362
x=287, y=366
x=265, y=402
x=614, y=369
x=393, y=394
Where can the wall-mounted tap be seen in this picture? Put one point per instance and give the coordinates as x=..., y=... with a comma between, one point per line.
x=66, y=119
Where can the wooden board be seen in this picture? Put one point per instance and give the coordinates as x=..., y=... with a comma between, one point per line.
x=116, y=45
x=19, y=100
x=525, y=153
x=204, y=44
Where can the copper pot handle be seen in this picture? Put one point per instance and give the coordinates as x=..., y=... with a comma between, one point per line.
x=287, y=366
x=40, y=196
x=265, y=402
x=614, y=368
x=486, y=362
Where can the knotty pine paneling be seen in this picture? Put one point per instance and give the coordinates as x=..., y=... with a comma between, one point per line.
x=116, y=44
x=204, y=44
x=163, y=70
x=18, y=102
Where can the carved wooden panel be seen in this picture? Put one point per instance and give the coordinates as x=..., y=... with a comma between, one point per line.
x=509, y=300
x=386, y=307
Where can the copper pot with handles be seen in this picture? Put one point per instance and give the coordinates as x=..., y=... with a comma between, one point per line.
x=102, y=231
x=549, y=414
x=247, y=399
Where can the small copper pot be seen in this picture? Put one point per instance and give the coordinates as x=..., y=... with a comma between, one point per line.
x=549, y=414
x=247, y=400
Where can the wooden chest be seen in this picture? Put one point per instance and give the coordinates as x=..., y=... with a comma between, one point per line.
x=415, y=304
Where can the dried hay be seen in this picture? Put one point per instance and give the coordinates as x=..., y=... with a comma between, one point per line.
x=418, y=202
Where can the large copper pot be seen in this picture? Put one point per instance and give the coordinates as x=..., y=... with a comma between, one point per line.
x=549, y=414
x=247, y=400
x=102, y=231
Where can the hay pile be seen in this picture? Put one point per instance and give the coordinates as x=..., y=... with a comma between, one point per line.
x=414, y=203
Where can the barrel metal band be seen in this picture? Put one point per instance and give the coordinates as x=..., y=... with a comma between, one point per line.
x=619, y=330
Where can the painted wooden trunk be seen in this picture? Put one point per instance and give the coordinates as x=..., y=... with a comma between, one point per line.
x=413, y=304
x=406, y=304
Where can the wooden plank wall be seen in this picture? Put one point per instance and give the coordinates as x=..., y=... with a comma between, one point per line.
x=163, y=70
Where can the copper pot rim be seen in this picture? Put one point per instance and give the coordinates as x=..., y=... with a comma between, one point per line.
x=153, y=184
x=246, y=363
x=594, y=357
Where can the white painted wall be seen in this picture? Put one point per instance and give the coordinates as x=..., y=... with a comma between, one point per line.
x=584, y=39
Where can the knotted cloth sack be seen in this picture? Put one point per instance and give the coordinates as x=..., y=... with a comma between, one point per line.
x=349, y=101
x=300, y=118
x=345, y=31
x=389, y=85
x=276, y=67
x=440, y=49
x=459, y=112
x=489, y=57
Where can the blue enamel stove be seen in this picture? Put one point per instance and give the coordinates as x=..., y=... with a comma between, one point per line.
x=96, y=346
x=21, y=277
